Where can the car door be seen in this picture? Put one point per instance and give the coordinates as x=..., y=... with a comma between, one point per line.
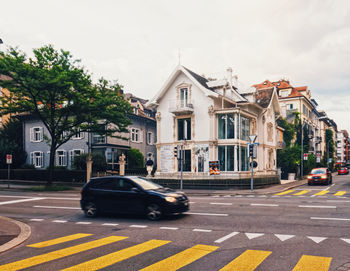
x=102, y=194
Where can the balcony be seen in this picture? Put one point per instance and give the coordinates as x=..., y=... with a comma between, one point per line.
x=180, y=107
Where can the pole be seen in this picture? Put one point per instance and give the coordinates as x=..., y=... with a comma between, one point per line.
x=251, y=175
x=8, y=175
x=181, y=165
x=302, y=152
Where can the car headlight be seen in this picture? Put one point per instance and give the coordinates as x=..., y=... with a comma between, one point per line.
x=170, y=199
x=324, y=177
x=309, y=177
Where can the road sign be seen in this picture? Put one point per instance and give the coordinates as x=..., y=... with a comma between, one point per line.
x=305, y=156
x=8, y=159
x=252, y=138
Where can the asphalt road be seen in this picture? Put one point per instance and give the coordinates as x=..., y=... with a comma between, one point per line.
x=307, y=228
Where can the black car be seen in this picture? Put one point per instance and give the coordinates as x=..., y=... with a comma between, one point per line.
x=130, y=195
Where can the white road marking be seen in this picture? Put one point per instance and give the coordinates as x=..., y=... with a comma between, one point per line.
x=238, y=196
x=215, y=196
x=83, y=223
x=227, y=196
x=284, y=237
x=345, y=240
x=317, y=239
x=347, y=201
x=62, y=198
x=317, y=206
x=57, y=207
x=209, y=214
x=20, y=197
x=330, y=218
x=138, y=226
x=222, y=239
x=220, y=203
x=191, y=202
x=169, y=228
x=265, y=205
x=59, y=221
x=250, y=196
x=110, y=224
x=37, y=219
x=253, y=235
x=202, y=230
x=275, y=196
x=19, y=201
x=262, y=196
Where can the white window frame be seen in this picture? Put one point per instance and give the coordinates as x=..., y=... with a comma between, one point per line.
x=61, y=159
x=150, y=138
x=72, y=154
x=37, y=159
x=36, y=134
x=136, y=135
x=78, y=135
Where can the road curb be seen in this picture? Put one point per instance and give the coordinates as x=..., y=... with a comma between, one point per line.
x=23, y=235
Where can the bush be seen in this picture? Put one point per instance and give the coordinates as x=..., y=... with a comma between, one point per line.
x=135, y=159
x=99, y=163
x=43, y=175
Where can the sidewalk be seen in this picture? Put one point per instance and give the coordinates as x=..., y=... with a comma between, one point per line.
x=12, y=233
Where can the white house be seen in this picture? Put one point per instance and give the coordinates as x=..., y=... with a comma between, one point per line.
x=213, y=121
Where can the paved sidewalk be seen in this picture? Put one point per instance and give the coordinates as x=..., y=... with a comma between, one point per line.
x=12, y=233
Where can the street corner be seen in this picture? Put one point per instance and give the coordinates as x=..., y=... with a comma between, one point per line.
x=12, y=233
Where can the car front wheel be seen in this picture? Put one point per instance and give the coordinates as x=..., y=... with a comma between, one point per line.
x=90, y=210
x=153, y=212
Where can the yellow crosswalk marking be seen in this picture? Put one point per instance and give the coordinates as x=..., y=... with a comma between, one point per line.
x=285, y=192
x=313, y=263
x=59, y=240
x=247, y=261
x=321, y=193
x=54, y=255
x=181, y=259
x=117, y=256
x=301, y=193
x=340, y=193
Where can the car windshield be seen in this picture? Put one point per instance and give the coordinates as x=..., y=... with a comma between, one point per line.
x=146, y=185
x=318, y=171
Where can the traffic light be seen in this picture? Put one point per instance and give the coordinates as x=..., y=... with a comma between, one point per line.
x=176, y=151
x=251, y=150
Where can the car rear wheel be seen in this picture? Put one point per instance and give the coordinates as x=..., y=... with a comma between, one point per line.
x=90, y=210
x=153, y=212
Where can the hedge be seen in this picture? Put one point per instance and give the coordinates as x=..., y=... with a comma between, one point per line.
x=60, y=175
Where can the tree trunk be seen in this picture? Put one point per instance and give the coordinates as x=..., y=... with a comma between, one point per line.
x=51, y=165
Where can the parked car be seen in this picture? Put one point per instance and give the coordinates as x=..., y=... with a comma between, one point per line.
x=130, y=195
x=343, y=171
x=320, y=176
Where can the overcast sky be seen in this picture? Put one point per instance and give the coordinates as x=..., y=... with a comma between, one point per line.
x=138, y=42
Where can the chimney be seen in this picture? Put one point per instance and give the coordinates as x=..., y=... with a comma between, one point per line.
x=229, y=75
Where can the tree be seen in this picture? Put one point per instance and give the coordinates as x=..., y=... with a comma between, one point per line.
x=135, y=158
x=53, y=87
x=99, y=163
x=289, y=131
x=288, y=159
x=11, y=142
x=330, y=147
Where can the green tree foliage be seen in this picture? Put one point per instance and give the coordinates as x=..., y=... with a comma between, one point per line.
x=99, y=163
x=11, y=142
x=54, y=88
x=330, y=148
x=135, y=159
x=289, y=159
x=289, y=131
x=309, y=164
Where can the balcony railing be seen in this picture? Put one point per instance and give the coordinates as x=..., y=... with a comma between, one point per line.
x=179, y=107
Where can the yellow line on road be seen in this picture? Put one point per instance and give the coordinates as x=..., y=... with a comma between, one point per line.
x=247, y=261
x=313, y=263
x=54, y=255
x=117, y=256
x=181, y=259
x=340, y=193
x=321, y=193
x=59, y=240
x=285, y=192
x=301, y=193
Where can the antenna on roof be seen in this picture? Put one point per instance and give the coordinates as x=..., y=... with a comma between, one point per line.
x=179, y=55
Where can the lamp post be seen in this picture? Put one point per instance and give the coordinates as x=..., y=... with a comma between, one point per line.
x=302, y=152
x=251, y=154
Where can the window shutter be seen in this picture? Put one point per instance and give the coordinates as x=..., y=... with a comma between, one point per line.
x=31, y=132
x=64, y=162
x=56, y=159
x=71, y=158
x=41, y=133
x=81, y=151
x=41, y=159
x=32, y=158
x=152, y=139
x=141, y=136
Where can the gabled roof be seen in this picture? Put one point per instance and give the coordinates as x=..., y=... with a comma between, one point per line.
x=203, y=81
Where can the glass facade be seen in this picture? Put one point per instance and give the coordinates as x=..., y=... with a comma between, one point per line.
x=245, y=128
x=244, y=162
x=226, y=126
x=226, y=158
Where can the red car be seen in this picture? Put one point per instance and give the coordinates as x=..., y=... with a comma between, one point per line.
x=319, y=176
x=343, y=171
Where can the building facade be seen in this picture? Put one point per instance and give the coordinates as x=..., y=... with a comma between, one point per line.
x=212, y=121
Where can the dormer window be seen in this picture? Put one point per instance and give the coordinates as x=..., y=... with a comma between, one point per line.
x=184, y=97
